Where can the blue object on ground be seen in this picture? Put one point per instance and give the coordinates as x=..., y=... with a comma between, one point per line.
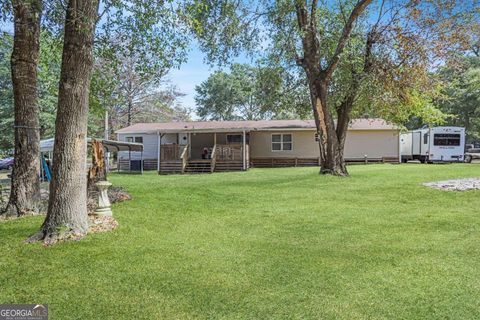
x=46, y=169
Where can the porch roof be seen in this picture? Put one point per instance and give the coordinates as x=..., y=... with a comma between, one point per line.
x=256, y=125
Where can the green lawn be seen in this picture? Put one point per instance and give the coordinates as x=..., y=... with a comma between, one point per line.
x=265, y=244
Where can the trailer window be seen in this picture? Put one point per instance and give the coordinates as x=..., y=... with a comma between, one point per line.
x=425, y=138
x=446, y=139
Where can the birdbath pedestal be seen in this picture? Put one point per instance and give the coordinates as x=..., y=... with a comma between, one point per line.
x=103, y=201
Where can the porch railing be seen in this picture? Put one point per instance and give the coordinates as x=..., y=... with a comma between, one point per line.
x=171, y=151
x=224, y=152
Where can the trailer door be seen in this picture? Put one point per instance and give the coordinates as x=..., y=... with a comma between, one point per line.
x=416, y=142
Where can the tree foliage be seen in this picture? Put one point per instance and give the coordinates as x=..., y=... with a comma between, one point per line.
x=461, y=95
x=136, y=44
x=48, y=75
x=251, y=93
x=6, y=93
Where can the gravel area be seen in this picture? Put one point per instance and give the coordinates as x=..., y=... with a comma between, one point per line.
x=456, y=185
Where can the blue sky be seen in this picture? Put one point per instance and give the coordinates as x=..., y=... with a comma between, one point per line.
x=190, y=74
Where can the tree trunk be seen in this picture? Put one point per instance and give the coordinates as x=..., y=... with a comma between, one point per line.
x=96, y=172
x=25, y=187
x=331, y=139
x=67, y=206
x=331, y=142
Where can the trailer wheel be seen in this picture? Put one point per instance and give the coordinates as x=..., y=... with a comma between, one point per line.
x=468, y=159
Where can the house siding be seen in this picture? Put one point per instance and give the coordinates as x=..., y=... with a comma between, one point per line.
x=373, y=143
x=150, y=145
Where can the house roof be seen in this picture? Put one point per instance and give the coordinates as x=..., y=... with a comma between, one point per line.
x=256, y=125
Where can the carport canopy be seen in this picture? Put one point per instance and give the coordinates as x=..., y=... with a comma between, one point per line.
x=109, y=145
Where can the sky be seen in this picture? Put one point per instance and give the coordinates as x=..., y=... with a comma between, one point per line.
x=193, y=73
x=190, y=74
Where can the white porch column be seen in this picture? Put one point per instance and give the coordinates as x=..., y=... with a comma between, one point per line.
x=244, y=151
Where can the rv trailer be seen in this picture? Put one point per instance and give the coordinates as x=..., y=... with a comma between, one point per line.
x=437, y=144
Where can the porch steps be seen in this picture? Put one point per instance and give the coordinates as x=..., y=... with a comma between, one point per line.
x=224, y=166
x=170, y=167
x=198, y=166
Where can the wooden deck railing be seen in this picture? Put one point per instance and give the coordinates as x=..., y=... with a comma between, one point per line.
x=171, y=151
x=225, y=152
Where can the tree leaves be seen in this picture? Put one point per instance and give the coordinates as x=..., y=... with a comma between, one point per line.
x=252, y=93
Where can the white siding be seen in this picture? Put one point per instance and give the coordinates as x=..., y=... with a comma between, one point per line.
x=150, y=145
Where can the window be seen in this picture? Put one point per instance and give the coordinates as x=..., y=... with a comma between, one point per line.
x=425, y=138
x=282, y=142
x=134, y=139
x=446, y=139
x=234, y=138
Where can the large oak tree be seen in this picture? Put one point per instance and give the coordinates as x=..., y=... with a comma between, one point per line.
x=345, y=49
x=25, y=186
x=67, y=206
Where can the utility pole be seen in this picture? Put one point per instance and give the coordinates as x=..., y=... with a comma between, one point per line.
x=106, y=136
x=106, y=126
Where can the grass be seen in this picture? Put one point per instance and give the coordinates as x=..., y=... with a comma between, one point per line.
x=265, y=244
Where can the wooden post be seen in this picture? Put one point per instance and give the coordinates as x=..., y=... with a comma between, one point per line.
x=243, y=149
x=189, y=145
x=159, y=141
x=129, y=159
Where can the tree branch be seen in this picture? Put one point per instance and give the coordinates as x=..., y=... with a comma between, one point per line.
x=347, y=29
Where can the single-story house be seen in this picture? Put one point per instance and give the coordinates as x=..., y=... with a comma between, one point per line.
x=208, y=146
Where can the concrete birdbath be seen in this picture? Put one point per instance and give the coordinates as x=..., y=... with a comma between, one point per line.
x=103, y=201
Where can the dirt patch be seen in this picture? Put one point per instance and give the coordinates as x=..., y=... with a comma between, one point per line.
x=115, y=194
x=455, y=185
x=97, y=223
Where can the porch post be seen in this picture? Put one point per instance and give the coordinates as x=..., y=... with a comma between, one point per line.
x=159, y=139
x=243, y=150
x=129, y=159
x=189, y=145
x=214, y=138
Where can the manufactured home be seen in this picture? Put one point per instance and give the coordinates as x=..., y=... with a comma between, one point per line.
x=437, y=144
x=208, y=146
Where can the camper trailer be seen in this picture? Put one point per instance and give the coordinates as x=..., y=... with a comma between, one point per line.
x=437, y=144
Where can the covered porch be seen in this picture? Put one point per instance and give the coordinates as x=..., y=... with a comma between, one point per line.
x=204, y=152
